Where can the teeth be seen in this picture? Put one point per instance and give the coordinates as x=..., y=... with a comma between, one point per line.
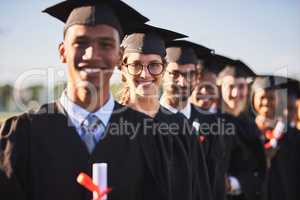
x=146, y=82
x=89, y=70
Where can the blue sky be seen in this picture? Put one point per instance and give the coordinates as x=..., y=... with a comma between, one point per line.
x=264, y=34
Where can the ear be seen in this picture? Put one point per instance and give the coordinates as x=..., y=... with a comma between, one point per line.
x=62, y=52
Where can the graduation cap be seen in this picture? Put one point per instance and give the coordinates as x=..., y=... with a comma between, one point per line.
x=294, y=87
x=186, y=52
x=270, y=82
x=243, y=70
x=215, y=63
x=148, y=39
x=114, y=13
x=237, y=69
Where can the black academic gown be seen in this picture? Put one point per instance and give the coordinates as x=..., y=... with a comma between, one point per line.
x=233, y=148
x=248, y=160
x=202, y=144
x=217, y=147
x=283, y=175
x=41, y=155
x=187, y=158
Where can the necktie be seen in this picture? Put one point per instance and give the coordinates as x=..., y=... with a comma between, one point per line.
x=92, y=125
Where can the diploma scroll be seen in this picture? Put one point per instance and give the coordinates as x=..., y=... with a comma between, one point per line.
x=100, y=177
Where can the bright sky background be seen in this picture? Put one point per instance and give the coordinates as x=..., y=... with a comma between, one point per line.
x=264, y=34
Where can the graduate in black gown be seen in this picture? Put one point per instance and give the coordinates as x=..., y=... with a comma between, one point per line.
x=215, y=125
x=293, y=115
x=227, y=151
x=178, y=82
x=271, y=96
x=247, y=165
x=42, y=152
x=142, y=70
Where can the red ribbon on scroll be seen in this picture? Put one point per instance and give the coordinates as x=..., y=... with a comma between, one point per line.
x=86, y=181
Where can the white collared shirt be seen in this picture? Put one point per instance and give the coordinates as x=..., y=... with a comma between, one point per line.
x=78, y=114
x=211, y=110
x=186, y=111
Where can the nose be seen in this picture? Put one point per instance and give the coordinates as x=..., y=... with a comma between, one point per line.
x=234, y=92
x=203, y=91
x=145, y=73
x=91, y=53
x=265, y=101
x=181, y=81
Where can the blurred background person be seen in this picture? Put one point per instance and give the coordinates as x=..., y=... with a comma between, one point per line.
x=270, y=96
x=206, y=94
x=247, y=166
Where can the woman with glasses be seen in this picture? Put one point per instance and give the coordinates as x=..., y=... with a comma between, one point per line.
x=143, y=66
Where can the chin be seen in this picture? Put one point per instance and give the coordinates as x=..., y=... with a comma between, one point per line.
x=205, y=106
x=231, y=106
x=145, y=93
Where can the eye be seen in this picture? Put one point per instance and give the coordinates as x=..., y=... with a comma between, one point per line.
x=175, y=74
x=155, y=68
x=134, y=68
x=137, y=65
x=80, y=43
x=106, y=45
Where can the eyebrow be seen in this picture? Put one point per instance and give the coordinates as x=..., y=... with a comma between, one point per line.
x=83, y=37
x=151, y=61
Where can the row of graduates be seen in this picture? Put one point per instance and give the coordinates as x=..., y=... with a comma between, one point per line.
x=264, y=162
x=201, y=144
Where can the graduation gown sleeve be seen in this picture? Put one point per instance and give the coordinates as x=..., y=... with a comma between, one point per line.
x=247, y=160
x=13, y=158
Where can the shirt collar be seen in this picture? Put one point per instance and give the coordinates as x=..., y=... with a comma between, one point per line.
x=186, y=111
x=78, y=114
x=211, y=110
x=104, y=113
x=167, y=106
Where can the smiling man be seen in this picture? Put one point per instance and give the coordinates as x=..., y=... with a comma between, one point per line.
x=42, y=152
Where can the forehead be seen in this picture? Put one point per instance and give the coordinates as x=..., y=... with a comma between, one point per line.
x=132, y=57
x=263, y=92
x=209, y=77
x=229, y=80
x=181, y=68
x=97, y=31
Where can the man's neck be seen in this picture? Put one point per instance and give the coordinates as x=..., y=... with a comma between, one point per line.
x=89, y=101
x=235, y=111
x=174, y=102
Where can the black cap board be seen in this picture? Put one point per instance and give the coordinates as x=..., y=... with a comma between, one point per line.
x=148, y=39
x=186, y=52
x=114, y=13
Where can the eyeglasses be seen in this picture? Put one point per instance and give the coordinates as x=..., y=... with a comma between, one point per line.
x=186, y=75
x=154, y=68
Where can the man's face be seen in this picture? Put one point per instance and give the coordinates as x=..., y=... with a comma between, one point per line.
x=205, y=94
x=91, y=53
x=179, y=81
x=234, y=92
x=264, y=102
